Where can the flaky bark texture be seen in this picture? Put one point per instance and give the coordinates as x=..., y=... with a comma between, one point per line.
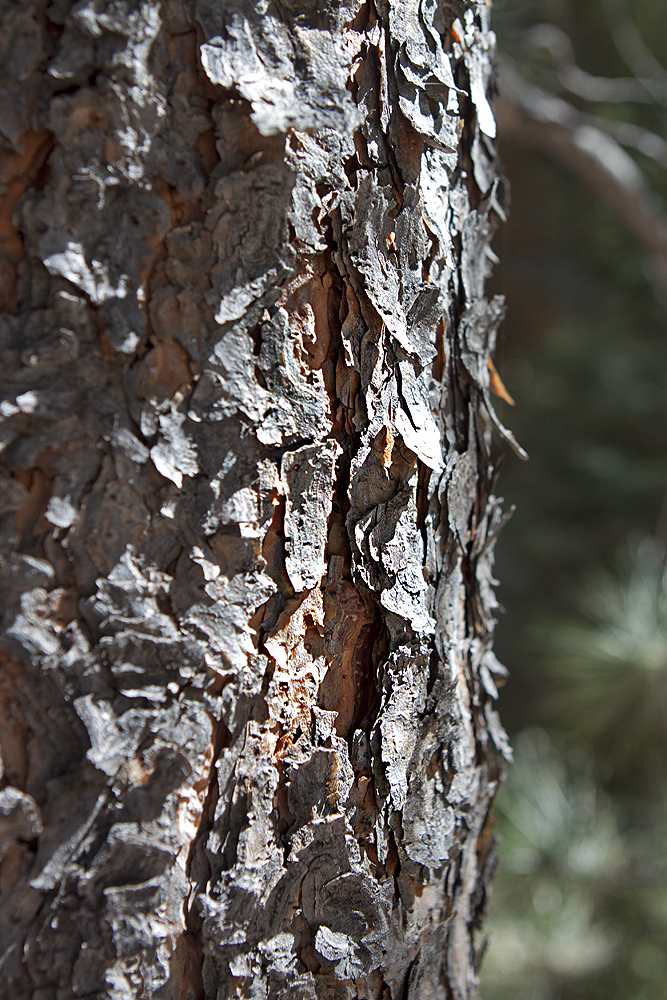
x=245, y=704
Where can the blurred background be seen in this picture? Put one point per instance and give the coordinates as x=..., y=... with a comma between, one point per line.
x=579, y=910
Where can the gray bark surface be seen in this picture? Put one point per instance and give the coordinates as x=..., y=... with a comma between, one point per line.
x=247, y=526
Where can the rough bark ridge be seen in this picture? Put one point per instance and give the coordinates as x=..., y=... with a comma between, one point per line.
x=247, y=510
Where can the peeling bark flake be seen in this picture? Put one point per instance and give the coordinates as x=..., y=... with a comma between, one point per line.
x=308, y=475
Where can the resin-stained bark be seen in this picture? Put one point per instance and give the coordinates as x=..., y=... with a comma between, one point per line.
x=247, y=510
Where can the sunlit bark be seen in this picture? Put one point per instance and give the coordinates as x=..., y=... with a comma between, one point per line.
x=248, y=522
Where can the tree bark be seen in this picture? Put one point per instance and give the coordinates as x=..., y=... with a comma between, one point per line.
x=247, y=511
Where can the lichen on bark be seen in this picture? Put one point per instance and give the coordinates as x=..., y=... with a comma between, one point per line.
x=247, y=513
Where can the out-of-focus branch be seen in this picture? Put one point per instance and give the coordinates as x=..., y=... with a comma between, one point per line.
x=531, y=117
x=635, y=137
x=635, y=52
x=577, y=81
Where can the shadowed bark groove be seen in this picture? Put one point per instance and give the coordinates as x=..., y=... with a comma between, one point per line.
x=247, y=518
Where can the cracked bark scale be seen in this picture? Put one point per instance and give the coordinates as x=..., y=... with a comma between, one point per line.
x=247, y=522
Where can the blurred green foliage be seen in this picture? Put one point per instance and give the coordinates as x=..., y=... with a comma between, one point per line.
x=614, y=662
x=580, y=908
x=580, y=901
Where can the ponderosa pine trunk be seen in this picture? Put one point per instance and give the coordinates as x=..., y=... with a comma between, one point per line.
x=247, y=512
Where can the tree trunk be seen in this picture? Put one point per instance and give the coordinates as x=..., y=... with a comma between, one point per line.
x=248, y=522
